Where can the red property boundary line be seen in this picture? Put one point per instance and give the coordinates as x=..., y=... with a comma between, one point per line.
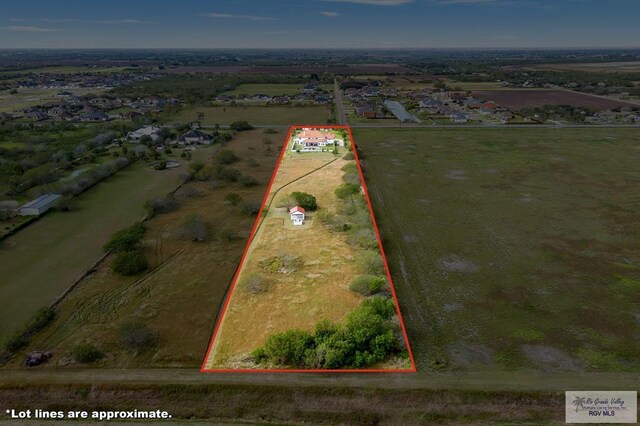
x=413, y=369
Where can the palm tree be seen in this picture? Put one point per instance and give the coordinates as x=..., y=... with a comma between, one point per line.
x=579, y=402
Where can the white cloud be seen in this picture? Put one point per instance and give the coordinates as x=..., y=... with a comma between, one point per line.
x=30, y=29
x=56, y=20
x=376, y=2
x=329, y=14
x=126, y=21
x=232, y=16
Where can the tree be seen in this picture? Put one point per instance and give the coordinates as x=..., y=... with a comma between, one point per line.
x=240, y=126
x=194, y=228
x=233, y=198
x=136, y=335
x=305, y=200
x=86, y=353
x=226, y=156
x=130, y=263
x=126, y=239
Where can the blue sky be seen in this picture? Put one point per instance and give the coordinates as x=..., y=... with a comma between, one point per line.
x=319, y=23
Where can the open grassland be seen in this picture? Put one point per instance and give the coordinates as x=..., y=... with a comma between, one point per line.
x=315, y=290
x=266, y=89
x=65, y=70
x=179, y=297
x=512, y=249
x=257, y=115
x=608, y=67
x=30, y=97
x=518, y=99
x=42, y=260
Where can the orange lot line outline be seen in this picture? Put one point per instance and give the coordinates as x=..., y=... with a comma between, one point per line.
x=413, y=369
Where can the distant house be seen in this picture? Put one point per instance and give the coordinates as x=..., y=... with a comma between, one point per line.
x=310, y=87
x=130, y=115
x=94, y=116
x=151, y=131
x=430, y=103
x=37, y=115
x=459, y=117
x=297, y=215
x=195, y=137
x=40, y=205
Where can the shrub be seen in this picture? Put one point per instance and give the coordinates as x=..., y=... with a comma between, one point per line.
x=370, y=262
x=233, y=198
x=305, y=200
x=363, y=237
x=16, y=342
x=251, y=207
x=248, y=181
x=253, y=162
x=199, y=171
x=347, y=189
x=86, y=353
x=367, y=285
x=367, y=336
x=40, y=319
x=194, y=228
x=126, y=239
x=240, y=126
x=348, y=156
x=255, y=284
x=229, y=174
x=161, y=205
x=226, y=156
x=130, y=263
x=135, y=335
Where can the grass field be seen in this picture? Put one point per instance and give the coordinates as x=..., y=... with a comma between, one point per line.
x=42, y=260
x=317, y=289
x=30, y=97
x=187, y=280
x=512, y=249
x=266, y=89
x=518, y=99
x=257, y=115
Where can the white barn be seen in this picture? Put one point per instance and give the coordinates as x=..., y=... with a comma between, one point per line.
x=297, y=215
x=39, y=205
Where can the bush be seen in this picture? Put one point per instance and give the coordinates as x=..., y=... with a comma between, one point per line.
x=229, y=174
x=370, y=263
x=251, y=207
x=130, y=263
x=347, y=189
x=40, y=320
x=194, y=228
x=248, y=181
x=86, y=353
x=367, y=336
x=199, y=171
x=233, y=198
x=367, y=285
x=255, y=284
x=226, y=156
x=304, y=200
x=135, y=335
x=348, y=156
x=240, y=126
x=160, y=206
x=363, y=237
x=16, y=342
x=126, y=239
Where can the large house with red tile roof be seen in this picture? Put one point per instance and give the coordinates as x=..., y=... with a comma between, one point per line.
x=315, y=140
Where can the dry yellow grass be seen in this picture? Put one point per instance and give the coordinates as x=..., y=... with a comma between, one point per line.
x=316, y=290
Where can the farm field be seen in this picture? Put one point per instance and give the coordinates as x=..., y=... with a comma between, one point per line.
x=30, y=97
x=518, y=250
x=518, y=99
x=42, y=260
x=257, y=115
x=186, y=282
x=612, y=67
x=271, y=89
x=316, y=287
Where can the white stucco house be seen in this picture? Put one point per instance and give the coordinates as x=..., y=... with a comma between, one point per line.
x=315, y=140
x=297, y=215
x=151, y=131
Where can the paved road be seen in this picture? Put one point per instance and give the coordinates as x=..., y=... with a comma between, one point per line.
x=337, y=97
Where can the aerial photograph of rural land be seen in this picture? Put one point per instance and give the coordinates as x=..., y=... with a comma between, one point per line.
x=319, y=212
